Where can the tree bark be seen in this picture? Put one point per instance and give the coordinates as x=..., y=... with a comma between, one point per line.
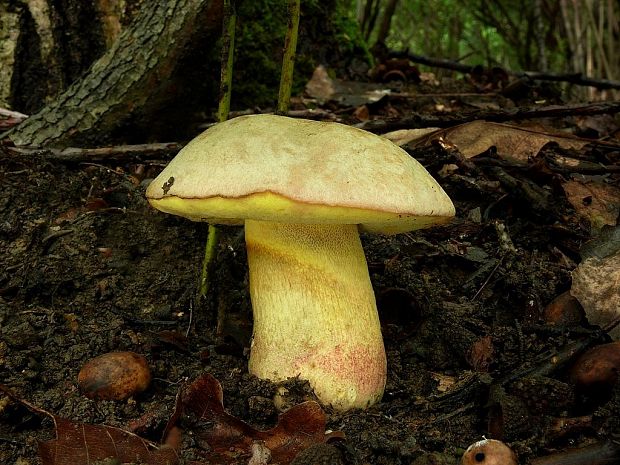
x=47, y=44
x=386, y=21
x=131, y=77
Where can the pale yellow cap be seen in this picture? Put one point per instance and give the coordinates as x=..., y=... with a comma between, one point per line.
x=275, y=168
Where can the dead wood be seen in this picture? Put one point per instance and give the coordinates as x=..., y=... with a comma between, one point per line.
x=121, y=153
x=445, y=121
x=573, y=78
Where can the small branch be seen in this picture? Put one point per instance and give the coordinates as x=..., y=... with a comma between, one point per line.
x=130, y=153
x=445, y=121
x=12, y=114
x=573, y=78
x=210, y=252
x=607, y=452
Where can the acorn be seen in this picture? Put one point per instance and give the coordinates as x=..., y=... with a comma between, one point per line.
x=564, y=310
x=489, y=452
x=114, y=376
x=596, y=372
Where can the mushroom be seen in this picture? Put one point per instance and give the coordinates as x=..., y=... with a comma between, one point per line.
x=489, y=452
x=303, y=189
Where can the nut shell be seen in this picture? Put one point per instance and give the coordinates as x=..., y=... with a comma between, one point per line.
x=564, y=310
x=114, y=376
x=597, y=370
x=489, y=452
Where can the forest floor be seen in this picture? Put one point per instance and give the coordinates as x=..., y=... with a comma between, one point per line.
x=88, y=267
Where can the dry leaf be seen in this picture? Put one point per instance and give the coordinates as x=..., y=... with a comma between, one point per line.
x=481, y=354
x=512, y=143
x=596, y=284
x=362, y=113
x=349, y=93
x=444, y=382
x=231, y=440
x=227, y=439
x=84, y=444
x=320, y=85
x=596, y=201
x=405, y=136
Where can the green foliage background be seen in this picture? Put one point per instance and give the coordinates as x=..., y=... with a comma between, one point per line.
x=498, y=32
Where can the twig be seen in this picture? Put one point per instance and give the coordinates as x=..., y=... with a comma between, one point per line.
x=454, y=413
x=191, y=318
x=573, y=78
x=138, y=152
x=12, y=114
x=446, y=121
x=601, y=453
x=210, y=248
x=486, y=281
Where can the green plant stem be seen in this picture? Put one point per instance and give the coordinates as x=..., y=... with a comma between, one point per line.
x=227, y=59
x=288, y=62
x=212, y=239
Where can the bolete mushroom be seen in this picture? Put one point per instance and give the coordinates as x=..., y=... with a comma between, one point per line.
x=302, y=189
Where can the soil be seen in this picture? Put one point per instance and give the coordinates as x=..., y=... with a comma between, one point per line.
x=88, y=267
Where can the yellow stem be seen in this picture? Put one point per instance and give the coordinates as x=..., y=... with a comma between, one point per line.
x=314, y=311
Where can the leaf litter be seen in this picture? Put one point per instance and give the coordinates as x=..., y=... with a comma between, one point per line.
x=200, y=414
x=528, y=201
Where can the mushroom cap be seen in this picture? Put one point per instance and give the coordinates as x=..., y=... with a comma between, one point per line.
x=275, y=168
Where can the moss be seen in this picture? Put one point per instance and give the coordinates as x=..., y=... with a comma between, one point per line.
x=327, y=35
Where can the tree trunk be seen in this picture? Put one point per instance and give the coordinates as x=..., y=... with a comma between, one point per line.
x=159, y=79
x=386, y=21
x=133, y=75
x=47, y=44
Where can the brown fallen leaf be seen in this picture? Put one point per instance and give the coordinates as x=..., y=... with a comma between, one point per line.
x=324, y=88
x=362, y=113
x=596, y=284
x=481, y=354
x=83, y=444
x=513, y=143
x=231, y=440
x=404, y=136
x=594, y=200
x=227, y=440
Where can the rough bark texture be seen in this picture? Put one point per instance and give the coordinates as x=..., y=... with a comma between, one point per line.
x=46, y=44
x=127, y=80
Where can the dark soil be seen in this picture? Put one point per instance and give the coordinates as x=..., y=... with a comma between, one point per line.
x=88, y=267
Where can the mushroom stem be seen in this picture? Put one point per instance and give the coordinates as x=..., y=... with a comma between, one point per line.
x=314, y=311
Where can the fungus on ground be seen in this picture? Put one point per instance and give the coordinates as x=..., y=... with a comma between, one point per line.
x=489, y=452
x=302, y=189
